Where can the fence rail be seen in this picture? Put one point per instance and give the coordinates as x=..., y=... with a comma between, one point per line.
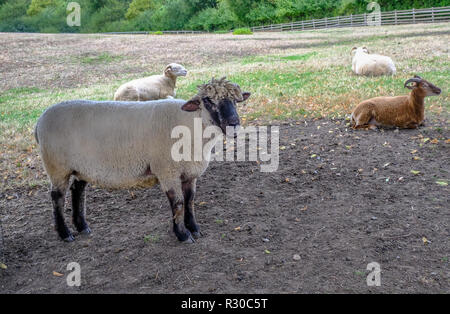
x=398, y=17
x=164, y=32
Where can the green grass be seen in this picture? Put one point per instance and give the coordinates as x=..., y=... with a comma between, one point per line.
x=279, y=82
x=242, y=31
x=275, y=58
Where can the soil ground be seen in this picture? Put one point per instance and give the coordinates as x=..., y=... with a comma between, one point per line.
x=340, y=200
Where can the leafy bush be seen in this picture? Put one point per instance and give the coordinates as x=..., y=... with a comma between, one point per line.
x=156, y=33
x=216, y=18
x=137, y=7
x=11, y=14
x=36, y=6
x=242, y=31
x=107, y=18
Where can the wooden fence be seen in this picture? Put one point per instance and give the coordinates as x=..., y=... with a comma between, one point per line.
x=398, y=17
x=149, y=33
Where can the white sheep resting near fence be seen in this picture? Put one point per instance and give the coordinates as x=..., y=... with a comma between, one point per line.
x=128, y=144
x=153, y=87
x=368, y=64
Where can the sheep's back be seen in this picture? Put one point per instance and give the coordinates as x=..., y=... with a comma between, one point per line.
x=110, y=143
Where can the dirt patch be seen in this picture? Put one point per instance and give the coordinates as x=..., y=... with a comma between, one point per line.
x=58, y=60
x=340, y=200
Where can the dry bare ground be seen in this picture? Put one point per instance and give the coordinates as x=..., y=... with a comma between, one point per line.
x=340, y=200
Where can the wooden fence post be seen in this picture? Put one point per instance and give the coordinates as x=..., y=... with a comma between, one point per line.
x=414, y=15
x=365, y=19
x=432, y=14
x=395, y=14
x=351, y=20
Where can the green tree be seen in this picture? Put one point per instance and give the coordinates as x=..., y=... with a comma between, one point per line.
x=36, y=6
x=214, y=18
x=137, y=7
x=111, y=13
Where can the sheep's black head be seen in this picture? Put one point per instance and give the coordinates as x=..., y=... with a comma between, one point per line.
x=422, y=86
x=219, y=98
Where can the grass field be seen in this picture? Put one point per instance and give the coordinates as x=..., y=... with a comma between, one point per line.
x=291, y=75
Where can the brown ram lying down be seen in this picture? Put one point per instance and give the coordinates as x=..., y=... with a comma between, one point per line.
x=405, y=112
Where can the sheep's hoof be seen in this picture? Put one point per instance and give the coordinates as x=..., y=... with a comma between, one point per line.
x=197, y=234
x=86, y=231
x=189, y=240
x=69, y=239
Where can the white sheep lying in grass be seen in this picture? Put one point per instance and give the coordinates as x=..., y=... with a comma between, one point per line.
x=153, y=87
x=129, y=144
x=368, y=64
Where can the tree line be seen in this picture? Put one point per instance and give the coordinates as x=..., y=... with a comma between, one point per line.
x=50, y=16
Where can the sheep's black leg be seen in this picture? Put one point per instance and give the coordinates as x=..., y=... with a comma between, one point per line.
x=189, y=188
x=176, y=204
x=58, y=207
x=78, y=206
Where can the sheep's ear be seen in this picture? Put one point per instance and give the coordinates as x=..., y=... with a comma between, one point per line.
x=245, y=96
x=367, y=50
x=191, y=105
x=353, y=49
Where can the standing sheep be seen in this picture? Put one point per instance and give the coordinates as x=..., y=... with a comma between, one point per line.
x=122, y=145
x=153, y=87
x=401, y=111
x=368, y=64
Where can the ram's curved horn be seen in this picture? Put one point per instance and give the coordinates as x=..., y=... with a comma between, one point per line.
x=413, y=80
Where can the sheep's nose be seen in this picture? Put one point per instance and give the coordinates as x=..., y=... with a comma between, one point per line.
x=234, y=123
